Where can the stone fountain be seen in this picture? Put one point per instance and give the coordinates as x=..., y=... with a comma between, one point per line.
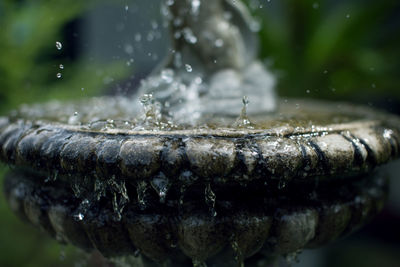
x=211, y=169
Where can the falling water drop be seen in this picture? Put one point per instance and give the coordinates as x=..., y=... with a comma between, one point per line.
x=161, y=185
x=188, y=68
x=79, y=217
x=59, y=45
x=61, y=66
x=59, y=75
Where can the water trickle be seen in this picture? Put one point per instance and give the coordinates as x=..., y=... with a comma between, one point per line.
x=236, y=249
x=161, y=185
x=76, y=187
x=210, y=198
x=120, y=196
x=141, y=193
x=99, y=188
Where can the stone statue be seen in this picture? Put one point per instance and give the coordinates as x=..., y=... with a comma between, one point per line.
x=212, y=64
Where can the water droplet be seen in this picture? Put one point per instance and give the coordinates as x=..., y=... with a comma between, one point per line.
x=79, y=217
x=325, y=71
x=189, y=36
x=76, y=113
x=138, y=37
x=128, y=48
x=219, y=43
x=195, y=7
x=126, y=8
x=61, y=66
x=59, y=45
x=59, y=75
x=167, y=75
x=308, y=91
x=154, y=25
x=315, y=5
x=83, y=89
x=347, y=16
x=170, y=2
x=188, y=68
x=255, y=26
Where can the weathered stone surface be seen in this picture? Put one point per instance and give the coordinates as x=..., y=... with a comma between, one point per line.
x=269, y=151
x=198, y=193
x=164, y=233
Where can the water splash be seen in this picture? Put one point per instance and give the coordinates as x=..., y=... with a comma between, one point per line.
x=243, y=121
x=210, y=68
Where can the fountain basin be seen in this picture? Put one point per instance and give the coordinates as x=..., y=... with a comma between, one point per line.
x=205, y=193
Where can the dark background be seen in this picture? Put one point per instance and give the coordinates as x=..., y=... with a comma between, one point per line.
x=337, y=50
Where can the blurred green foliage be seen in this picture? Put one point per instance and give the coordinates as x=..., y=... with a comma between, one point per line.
x=30, y=61
x=334, y=49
